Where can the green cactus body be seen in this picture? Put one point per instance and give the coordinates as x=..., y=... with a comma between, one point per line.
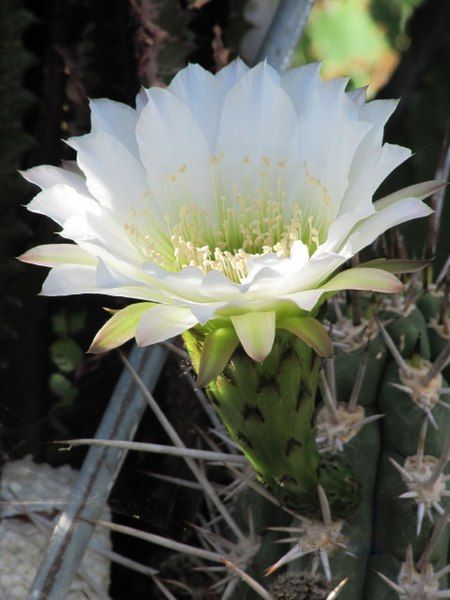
x=395, y=523
x=268, y=410
x=430, y=304
x=271, y=412
x=361, y=454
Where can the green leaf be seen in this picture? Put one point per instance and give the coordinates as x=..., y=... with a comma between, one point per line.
x=66, y=354
x=256, y=332
x=311, y=331
x=218, y=347
x=395, y=265
x=120, y=328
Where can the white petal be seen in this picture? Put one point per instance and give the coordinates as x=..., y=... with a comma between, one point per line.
x=257, y=130
x=204, y=311
x=366, y=176
x=328, y=138
x=256, y=332
x=163, y=322
x=119, y=273
x=174, y=152
x=69, y=280
x=51, y=255
x=299, y=253
x=46, y=176
x=229, y=75
x=358, y=96
x=217, y=285
x=339, y=231
x=265, y=283
x=60, y=202
x=103, y=231
x=204, y=94
x=419, y=191
x=198, y=89
x=320, y=266
x=117, y=119
x=395, y=214
x=306, y=300
x=299, y=84
x=185, y=283
x=376, y=112
x=113, y=175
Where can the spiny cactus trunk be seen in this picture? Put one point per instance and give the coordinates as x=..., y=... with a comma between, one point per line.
x=268, y=410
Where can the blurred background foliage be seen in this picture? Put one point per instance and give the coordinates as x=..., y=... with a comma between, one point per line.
x=362, y=39
x=54, y=54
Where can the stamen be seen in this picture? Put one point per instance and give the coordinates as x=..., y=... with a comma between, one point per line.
x=242, y=228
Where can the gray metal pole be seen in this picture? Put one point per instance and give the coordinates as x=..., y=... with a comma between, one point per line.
x=284, y=33
x=101, y=466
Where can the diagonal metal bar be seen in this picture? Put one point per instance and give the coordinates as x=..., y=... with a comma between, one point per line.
x=284, y=33
x=101, y=466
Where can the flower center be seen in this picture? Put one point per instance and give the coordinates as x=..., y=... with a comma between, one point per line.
x=225, y=243
x=242, y=232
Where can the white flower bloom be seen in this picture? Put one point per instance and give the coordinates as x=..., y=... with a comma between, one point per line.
x=228, y=199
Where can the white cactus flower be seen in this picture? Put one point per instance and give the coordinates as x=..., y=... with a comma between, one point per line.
x=229, y=200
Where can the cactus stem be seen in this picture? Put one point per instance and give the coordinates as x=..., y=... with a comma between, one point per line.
x=351, y=406
x=403, y=366
x=438, y=365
